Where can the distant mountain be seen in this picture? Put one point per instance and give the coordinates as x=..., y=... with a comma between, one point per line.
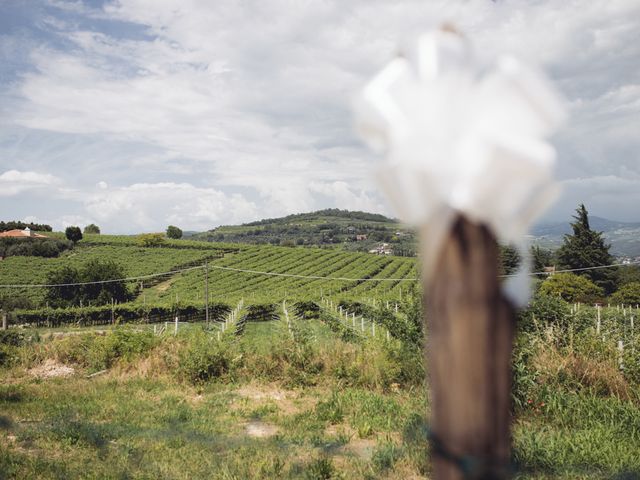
x=624, y=237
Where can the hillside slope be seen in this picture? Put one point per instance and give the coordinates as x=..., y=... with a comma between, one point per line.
x=352, y=230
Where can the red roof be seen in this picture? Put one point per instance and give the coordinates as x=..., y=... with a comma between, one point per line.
x=21, y=234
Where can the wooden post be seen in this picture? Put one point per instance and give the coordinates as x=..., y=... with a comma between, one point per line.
x=470, y=336
x=4, y=320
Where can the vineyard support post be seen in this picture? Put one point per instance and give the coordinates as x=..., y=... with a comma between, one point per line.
x=621, y=355
x=470, y=336
x=4, y=319
x=206, y=292
x=175, y=331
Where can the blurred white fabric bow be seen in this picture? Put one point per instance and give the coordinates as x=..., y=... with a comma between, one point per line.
x=461, y=142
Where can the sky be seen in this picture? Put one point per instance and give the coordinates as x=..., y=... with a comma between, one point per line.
x=137, y=114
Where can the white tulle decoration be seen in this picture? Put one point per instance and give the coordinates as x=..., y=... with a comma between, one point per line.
x=460, y=141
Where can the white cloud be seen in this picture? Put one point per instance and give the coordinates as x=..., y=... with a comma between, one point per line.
x=254, y=97
x=145, y=206
x=346, y=198
x=14, y=182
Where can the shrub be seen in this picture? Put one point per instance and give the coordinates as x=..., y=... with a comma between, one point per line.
x=572, y=288
x=205, y=358
x=33, y=247
x=544, y=309
x=628, y=294
x=151, y=239
x=99, y=352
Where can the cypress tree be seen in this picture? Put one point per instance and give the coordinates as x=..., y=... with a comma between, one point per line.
x=587, y=248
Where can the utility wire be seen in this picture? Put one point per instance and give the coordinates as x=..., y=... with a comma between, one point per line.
x=577, y=269
x=97, y=282
x=290, y=275
x=315, y=277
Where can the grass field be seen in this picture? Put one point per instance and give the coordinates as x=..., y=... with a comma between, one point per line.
x=254, y=396
x=301, y=403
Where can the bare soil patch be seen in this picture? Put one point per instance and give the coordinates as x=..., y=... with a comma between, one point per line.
x=51, y=369
x=259, y=429
x=289, y=402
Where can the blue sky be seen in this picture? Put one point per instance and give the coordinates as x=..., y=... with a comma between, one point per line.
x=136, y=114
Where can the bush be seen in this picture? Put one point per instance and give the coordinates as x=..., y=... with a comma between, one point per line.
x=544, y=309
x=628, y=294
x=205, y=358
x=572, y=288
x=150, y=239
x=99, y=352
x=33, y=247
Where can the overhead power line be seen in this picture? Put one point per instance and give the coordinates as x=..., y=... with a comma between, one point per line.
x=568, y=270
x=290, y=275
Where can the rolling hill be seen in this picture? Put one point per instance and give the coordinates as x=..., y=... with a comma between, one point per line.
x=333, y=227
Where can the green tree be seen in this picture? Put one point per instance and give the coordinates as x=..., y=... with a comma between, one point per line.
x=151, y=239
x=97, y=283
x=628, y=294
x=92, y=228
x=111, y=287
x=541, y=258
x=509, y=260
x=74, y=234
x=63, y=295
x=174, y=232
x=587, y=248
x=571, y=288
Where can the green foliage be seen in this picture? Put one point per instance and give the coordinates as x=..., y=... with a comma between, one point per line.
x=73, y=234
x=261, y=313
x=587, y=248
x=10, y=302
x=92, y=228
x=541, y=258
x=205, y=358
x=174, y=232
x=99, y=352
x=628, y=294
x=306, y=309
x=572, y=288
x=151, y=240
x=33, y=247
x=628, y=274
x=544, y=309
x=509, y=259
x=124, y=312
x=17, y=225
x=94, y=270
x=321, y=469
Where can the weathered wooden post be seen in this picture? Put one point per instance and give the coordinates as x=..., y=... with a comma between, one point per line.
x=4, y=319
x=468, y=165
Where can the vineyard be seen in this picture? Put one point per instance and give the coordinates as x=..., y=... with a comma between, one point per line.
x=258, y=274
x=303, y=363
